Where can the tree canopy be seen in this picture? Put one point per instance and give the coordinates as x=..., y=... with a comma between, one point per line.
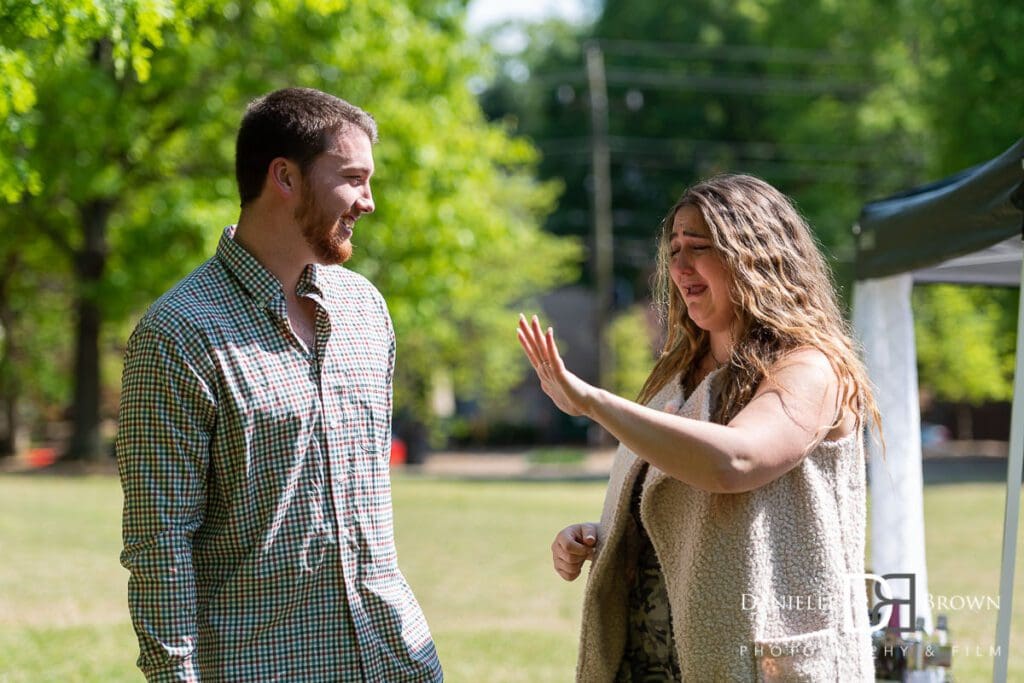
x=120, y=165
x=834, y=103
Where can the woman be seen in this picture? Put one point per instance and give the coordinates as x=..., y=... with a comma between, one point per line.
x=731, y=545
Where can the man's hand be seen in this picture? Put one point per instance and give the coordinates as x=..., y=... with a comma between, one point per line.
x=573, y=546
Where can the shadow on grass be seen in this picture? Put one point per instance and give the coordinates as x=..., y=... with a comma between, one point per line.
x=538, y=475
x=963, y=469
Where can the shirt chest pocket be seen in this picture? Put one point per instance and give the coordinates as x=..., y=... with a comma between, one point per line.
x=364, y=417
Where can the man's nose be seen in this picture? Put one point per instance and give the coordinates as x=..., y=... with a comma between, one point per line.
x=365, y=202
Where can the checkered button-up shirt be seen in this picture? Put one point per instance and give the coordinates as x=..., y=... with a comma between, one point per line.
x=257, y=510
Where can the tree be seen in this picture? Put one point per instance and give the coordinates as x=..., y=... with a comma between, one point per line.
x=965, y=344
x=33, y=314
x=633, y=346
x=769, y=88
x=138, y=202
x=834, y=103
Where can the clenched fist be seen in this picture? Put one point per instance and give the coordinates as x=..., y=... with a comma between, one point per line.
x=573, y=546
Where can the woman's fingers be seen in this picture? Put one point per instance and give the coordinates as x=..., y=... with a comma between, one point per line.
x=530, y=353
x=529, y=340
x=538, y=336
x=573, y=546
x=539, y=345
x=568, y=572
x=552, y=349
x=568, y=565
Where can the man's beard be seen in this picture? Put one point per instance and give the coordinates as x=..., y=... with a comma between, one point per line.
x=321, y=230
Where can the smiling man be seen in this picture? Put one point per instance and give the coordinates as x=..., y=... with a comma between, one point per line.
x=255, y=427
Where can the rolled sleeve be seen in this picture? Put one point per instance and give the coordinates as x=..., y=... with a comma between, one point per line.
x=164, y=426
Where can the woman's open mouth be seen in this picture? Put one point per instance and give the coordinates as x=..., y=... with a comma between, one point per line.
x=695, y=290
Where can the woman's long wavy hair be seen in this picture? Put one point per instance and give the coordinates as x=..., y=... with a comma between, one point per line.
x=781, y=288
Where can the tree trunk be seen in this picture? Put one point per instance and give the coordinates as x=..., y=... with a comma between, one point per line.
x=964, y=422
x=9, y=439
x=90, y=262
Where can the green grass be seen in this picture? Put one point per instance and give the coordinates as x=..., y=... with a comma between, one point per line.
x=964, y=535
x=564, y=457
x=476, y=554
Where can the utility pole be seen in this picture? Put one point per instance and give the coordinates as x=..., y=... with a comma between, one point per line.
x=602, y=215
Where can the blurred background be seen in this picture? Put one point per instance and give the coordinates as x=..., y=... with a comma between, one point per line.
x=528, y=153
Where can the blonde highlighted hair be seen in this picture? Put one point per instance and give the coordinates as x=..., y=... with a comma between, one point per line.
x=781, y=288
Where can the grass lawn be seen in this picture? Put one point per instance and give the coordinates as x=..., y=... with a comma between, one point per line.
x=964, y=537
x=476, y=555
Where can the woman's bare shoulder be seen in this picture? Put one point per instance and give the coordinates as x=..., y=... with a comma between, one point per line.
x=807, y=374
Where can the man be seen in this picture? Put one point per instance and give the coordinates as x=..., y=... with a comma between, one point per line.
x=255, y=430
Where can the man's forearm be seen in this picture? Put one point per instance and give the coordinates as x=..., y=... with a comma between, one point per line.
x=162, y=601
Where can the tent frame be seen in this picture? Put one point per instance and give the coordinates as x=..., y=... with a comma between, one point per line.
x=983, y=206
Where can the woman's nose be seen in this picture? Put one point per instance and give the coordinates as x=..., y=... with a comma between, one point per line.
x=683, y=262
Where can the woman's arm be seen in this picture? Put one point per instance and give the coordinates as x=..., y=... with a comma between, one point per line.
x=788, y=416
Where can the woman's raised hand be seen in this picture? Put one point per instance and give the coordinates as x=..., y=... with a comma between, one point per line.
x=569, y=392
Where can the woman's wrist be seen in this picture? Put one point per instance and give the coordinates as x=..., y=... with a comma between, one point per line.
x=594, y=400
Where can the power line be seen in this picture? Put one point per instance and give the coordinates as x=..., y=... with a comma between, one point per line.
x=776, y=152
x=737, y=85
x=728, y=53
x=728, y=85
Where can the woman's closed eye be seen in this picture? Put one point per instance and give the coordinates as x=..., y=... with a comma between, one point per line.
x=690, y=248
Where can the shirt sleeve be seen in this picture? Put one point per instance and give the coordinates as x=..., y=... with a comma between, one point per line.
x=164, y=425
x=392, y=352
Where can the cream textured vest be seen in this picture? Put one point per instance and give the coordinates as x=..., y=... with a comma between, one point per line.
x=765, y=585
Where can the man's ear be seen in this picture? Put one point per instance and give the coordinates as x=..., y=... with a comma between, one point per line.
x=283, y=177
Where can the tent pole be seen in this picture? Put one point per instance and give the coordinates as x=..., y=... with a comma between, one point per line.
x=1010, y=521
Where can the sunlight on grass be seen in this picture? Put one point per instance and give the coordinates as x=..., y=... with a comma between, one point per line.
x=477, y=556
x=964, y=535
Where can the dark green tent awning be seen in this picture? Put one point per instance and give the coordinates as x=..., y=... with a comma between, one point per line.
x=961, y=215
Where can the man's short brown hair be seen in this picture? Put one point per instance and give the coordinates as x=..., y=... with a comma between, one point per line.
x=294, y=123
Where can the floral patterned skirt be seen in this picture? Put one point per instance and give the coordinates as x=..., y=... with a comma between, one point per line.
x=650, y=655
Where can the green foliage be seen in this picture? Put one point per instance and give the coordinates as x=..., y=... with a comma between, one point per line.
x=971, y=77
x=630, y=339
x=835, y=103
x=38, y=37
x=127, y=111
x=887, y=96
x=965, y=341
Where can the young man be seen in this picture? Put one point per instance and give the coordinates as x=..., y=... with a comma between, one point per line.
x=255, y=431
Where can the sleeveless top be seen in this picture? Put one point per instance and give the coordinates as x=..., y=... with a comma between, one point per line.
x=763, y=585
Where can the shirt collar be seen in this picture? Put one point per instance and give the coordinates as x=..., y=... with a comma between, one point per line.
x=309, y=282
x=258, y=282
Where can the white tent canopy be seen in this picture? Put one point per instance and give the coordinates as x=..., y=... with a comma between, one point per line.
x=965, y=229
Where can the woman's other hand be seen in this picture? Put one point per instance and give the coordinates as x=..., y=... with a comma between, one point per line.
x=573, y=546
x=569, y=392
